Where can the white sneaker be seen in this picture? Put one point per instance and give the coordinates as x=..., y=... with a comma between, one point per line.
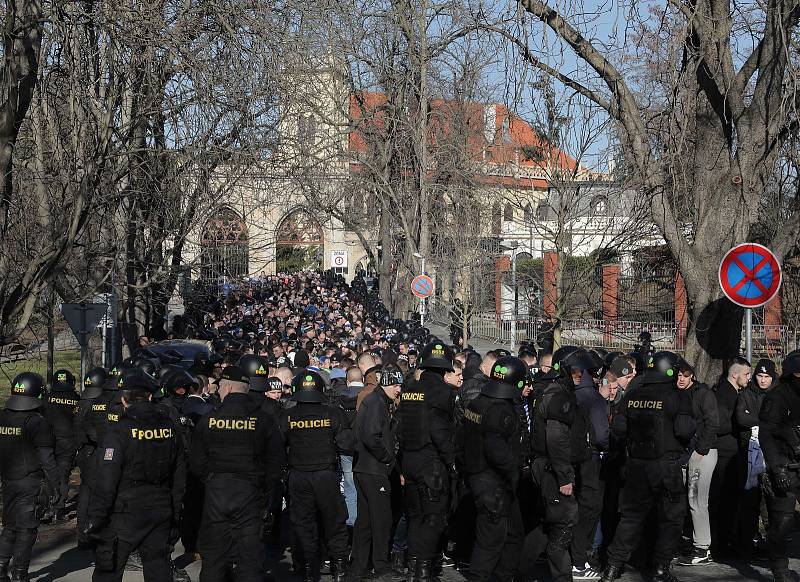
x=586, y=573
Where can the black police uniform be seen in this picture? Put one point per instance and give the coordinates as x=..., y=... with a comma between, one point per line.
x=26, y=457
x=375, y=454
x=427, y=430
x=314, y=434
x=95, y=411
x=779, y=436
x=492, y=463
x=655, y=422
x=86, y=442
x=138, y=486
x=59, y=410
x=555, y=430
x=238, y=450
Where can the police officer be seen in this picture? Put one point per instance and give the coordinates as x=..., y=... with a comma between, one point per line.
x=257, y=370
x=655, y=423
x=427, y=430
x=561, y=437
x=59, y=410
x=87, y=437
x=237, y=449
x=26, y=456
x=314, y=434
x=492, y=462
x=779, y=435
x=138, y=485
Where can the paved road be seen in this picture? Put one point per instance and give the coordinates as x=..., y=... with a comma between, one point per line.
x=57, y=558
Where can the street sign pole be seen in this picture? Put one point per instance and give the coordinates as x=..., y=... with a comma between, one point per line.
x=82, y=319
x=422, y=301
x=748, y=315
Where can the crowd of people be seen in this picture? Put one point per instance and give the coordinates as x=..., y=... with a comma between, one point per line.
x=376, y=450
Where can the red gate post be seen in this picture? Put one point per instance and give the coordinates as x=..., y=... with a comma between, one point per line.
x=610, y=300
x=681, y=313
x=773, y=319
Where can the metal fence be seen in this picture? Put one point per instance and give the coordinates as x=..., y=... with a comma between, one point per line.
x=771, y=341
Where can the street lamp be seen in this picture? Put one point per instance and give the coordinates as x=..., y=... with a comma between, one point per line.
x=417, y=255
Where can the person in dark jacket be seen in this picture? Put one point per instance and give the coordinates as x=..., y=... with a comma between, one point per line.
x=748, y=406
x=728, y=480
x=701, y=463
x=375, y=456
x=59, y=410
x=473, y=382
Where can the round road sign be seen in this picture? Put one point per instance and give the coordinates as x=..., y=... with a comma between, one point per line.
x=338, y=261
x=750, y=275
x=422, y=286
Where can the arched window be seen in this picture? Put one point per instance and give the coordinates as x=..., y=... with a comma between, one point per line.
x=545, y=212
x=599, y=206
x=528, y=214
x=508, y=213
x=224, y=246
x=524, y=256
x=497, y=219
x=298, y=244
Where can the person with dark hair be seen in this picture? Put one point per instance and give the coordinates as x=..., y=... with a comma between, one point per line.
x=729, y=476
x=139, y=485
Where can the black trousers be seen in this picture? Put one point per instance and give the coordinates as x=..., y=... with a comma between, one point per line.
x=727, y=483
x=781, y=519
x=373, y=527
x=559, y=518
x=498, y=530
x=20, y=523
x=145, y=529
x=427, y=500
x=65, y=459
x=192, y=512
x=650, y=484
x=230, y=533
x=589, y=494
x=313, y=495
x=85, y=461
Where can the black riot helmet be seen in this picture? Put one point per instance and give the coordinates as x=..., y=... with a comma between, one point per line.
x=506, y=379
x=263, y=384
x=93, y=383
x=791, y=364
x=177, y=379
x=662, y=367
x=27, y=390
x=63, y=381
x=137, y=379
x=254, y=366
x=308, y=386
x=436, y=356
x=558, y=358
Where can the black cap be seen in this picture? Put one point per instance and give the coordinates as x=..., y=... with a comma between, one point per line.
x=63, y=381
x=235, y=374
x=765, y=366
x=391, y=378
x=620, y=367
x=301, y=359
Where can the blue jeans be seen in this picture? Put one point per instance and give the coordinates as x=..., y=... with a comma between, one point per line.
x=349, y=489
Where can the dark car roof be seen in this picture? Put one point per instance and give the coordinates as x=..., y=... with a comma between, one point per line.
x=186, y=347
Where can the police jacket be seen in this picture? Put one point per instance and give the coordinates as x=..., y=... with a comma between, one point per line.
x=238, y=438
x=140, y=463
x=314, y=435
x=704, y=409
x=374, y=432
x=174, y=407
x=195, y=408
x=468, y=392
x=59, y=410
x=524, y=418
x=748, y=406
x=562, y=433
x=427, y=426
x=655, y=421
x=779, y=423
x=726, y=395
x=491, y=439
x=26, y=446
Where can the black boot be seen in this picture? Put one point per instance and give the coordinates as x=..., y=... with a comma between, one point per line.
x=339, y=570
x=20, y=574
x=308, y=574
x=784, y=575
x=662, y=573
x=4, y=570
x=399, y=563
x=424, y=572
x=411, y=569
x=611, y=573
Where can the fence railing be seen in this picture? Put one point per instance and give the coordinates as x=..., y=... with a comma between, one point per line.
x=770, y=341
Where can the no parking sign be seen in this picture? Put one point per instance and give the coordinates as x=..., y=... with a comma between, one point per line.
x=750, y=275
x=338, y=259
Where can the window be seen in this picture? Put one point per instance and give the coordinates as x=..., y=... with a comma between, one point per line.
x=306, y=131
x=545, y=212
x=508, y=213
x=528, y=214
x=599, y=206
x=224, y=246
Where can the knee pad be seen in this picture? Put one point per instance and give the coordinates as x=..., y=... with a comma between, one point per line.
x=559, y=539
